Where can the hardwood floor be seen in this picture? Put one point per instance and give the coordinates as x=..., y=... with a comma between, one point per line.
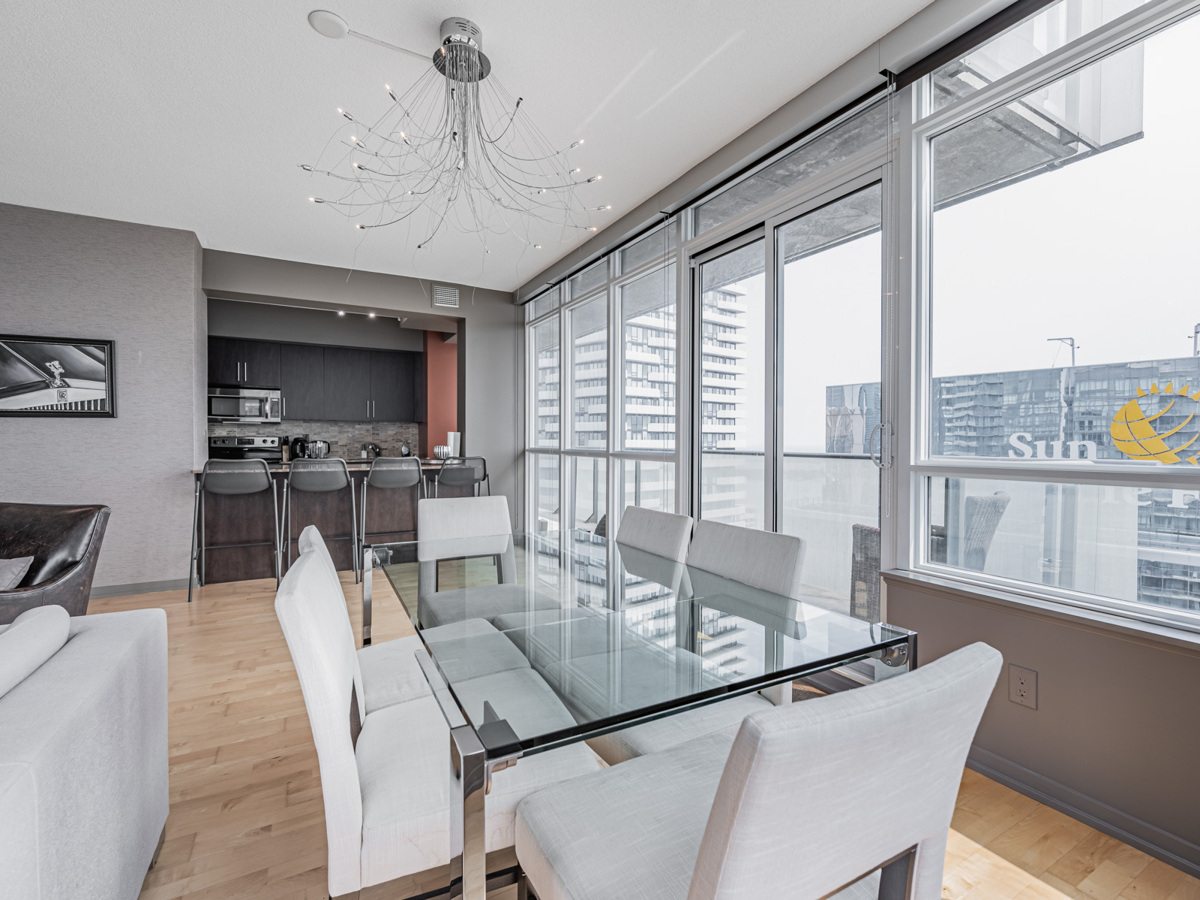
x=247, y=819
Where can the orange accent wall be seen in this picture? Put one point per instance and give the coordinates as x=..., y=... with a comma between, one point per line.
x=441, y=392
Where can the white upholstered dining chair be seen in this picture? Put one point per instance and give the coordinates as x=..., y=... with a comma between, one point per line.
x=385, y=776
x=848, y=795
x=479, y=527
x=758, y=560
x=661, y=533
x=384, y=673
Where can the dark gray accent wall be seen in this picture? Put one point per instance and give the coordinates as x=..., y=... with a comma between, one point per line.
x=491, y=333
x=81, y=277
x=1114, y=739
x=272, y=322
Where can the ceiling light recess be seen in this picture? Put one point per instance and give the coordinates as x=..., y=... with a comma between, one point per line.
x=455, y=151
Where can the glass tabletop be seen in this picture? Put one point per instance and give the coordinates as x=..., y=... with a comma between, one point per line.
x=540, y=640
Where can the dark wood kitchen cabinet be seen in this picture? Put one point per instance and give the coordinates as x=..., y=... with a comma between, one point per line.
x=224, y=361
x=320, y=383
x=392, y=380
x=347, y=384
x=234, y=361
x=302, y=381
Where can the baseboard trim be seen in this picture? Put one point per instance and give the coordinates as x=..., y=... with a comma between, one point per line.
x=141, y=587
x=1170, y=848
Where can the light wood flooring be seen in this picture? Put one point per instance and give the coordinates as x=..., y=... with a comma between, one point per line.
x=246, y=814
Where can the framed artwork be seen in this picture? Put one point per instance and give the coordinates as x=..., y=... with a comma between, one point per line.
x=42, y=376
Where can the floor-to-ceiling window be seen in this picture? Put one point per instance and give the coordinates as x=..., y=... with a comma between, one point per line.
x=732, y=385
x=830, y=264
x=992, y=264
x=614, y=384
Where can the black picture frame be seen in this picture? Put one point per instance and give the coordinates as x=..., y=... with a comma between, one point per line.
x=57, y=377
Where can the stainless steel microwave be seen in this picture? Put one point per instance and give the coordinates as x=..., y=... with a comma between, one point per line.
x=253, y=406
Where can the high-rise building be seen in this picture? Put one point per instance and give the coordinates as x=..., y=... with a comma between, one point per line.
x=1066, y=413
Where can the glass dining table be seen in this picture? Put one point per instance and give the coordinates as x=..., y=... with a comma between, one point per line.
x=611, y=636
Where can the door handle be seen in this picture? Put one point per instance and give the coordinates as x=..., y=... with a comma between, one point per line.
x=884, y=459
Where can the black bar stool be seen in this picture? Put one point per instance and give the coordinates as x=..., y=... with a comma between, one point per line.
x=320, y=476
x=389, y=473
x=464, y=471
x=229, y=477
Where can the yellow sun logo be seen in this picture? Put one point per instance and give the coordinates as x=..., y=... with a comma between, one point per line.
x=1134, y=434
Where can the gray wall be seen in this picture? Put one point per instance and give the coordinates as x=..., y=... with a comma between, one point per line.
x=490, y=350
x=1114, y=738
x=272, y=322
x=80, y=277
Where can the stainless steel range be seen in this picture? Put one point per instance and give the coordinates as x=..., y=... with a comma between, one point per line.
x=230, y=446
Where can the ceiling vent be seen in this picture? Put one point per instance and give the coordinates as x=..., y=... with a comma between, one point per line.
x=445, y=296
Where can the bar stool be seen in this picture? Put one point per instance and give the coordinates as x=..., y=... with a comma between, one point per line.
x=388, y=473
x=230, y=477
x=463, y=471
x=319, y=476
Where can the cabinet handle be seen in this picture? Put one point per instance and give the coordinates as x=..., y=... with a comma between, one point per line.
x=246, y=371
x=239, y=372
x=285, y=406
x=368, y=409
x=372, y=409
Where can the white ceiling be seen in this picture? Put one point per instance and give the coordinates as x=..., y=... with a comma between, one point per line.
x=195, y=114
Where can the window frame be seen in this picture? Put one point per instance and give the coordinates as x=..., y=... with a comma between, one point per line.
x=915, y=462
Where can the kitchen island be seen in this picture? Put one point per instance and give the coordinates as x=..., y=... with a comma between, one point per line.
x=239, y=531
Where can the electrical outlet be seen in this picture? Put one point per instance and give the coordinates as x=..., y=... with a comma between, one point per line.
x=1022, y=686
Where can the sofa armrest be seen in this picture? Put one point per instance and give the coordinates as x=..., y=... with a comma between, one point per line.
x=90, y=728
x=70, y=589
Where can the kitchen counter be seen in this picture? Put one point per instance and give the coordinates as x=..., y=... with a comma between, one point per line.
x=239, y=531
x=354, y=465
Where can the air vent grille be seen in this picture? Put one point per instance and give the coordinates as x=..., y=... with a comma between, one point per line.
x=445, y=296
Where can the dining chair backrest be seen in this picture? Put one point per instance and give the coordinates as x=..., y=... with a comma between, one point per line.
x=462, y=471
x=643, y=564
x=854, y=779
x=325, y=664
x=760, y=559
x=311, y=543
x=318, y=475
x=661, y=533
x=485, y=520
x=392, y=472
x=235, y=476
x=440, y=519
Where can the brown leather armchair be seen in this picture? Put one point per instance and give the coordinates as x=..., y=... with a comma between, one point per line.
x=64, y=542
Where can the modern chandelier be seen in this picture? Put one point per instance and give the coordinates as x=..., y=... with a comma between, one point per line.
x=454, y=151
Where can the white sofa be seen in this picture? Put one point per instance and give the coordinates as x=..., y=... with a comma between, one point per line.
x=83, y=763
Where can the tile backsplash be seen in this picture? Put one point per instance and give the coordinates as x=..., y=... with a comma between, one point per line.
x=345, y=438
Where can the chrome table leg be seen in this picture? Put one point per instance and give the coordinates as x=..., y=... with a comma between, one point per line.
x=368, y=553
x=468, y=851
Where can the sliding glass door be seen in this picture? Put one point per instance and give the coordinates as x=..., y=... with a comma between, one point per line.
x=829, y=265
x=789, y=410
x=732, y=385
